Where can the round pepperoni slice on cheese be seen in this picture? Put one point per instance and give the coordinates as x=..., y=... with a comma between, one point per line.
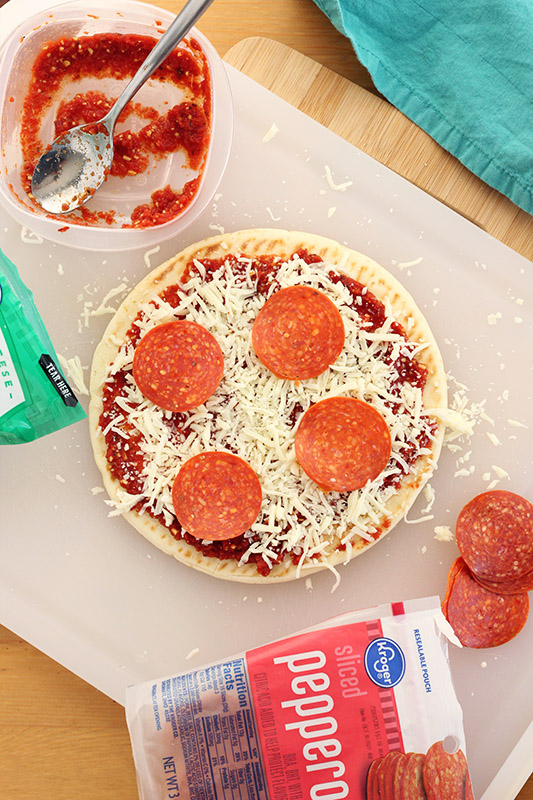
x=298, y=333
x=494, y=533
x=342, y=443
x=216, y=495
x=481, y=618
x=178, y=365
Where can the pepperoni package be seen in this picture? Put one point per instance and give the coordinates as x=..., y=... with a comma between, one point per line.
x=362, y=707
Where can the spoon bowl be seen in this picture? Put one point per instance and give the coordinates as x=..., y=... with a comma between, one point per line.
x=74, y=167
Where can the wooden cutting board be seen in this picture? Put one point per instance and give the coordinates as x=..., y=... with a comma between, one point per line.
x=380, y=130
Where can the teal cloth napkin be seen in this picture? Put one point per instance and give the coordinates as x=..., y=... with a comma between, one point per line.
x=462, y=70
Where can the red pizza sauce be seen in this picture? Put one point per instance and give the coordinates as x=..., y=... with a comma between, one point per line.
x=126, y=463
x=184, y=127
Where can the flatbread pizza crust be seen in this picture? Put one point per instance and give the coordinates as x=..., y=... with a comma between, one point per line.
x=258, y=242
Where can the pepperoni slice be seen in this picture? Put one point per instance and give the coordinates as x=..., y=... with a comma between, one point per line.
x=413, y=784
x=522, y=583
x=216, y=495
x=399, y=769
x=178, y=365
x=455, y=569
x=479, y=617
x=371, y=780
x=385, y=775
x=298, y=333
x=494, y=533
x=469, y=792
x=444, y=773
x=341, y=443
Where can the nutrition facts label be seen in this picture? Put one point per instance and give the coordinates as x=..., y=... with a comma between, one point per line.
x=209, y=712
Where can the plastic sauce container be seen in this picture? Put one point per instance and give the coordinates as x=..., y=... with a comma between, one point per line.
x=121, y=195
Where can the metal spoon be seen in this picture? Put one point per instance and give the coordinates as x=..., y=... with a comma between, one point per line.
x=76, y=164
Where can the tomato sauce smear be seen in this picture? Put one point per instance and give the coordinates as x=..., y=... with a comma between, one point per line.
x=144, y=134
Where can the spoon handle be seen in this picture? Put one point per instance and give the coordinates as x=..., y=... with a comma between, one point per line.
x=179, y=28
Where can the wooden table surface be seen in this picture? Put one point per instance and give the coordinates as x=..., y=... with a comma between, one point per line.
x=61, y=739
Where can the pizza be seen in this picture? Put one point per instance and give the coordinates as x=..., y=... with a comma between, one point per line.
x=266, y=404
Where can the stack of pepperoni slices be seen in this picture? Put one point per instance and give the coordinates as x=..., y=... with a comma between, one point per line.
x=435, y=775
x=486, y=599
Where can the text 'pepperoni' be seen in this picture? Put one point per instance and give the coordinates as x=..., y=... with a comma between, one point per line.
x=178, y=365
x=298, y=333
x=342, y=443
x=216, y=495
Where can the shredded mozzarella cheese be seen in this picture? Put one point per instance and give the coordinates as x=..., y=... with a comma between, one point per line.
x=254, y=413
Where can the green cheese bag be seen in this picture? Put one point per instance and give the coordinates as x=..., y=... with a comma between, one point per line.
x=35, y=398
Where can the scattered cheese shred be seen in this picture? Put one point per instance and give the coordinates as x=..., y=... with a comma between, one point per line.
x=149, y=253
x=271, y=214
x=462, y=473
x=29, y=237
x=74, y=372
x=425, y=518
x=103, y=308
x=337, y=187
x=406, y=264
x=453, y=420
x=443, y=533
x=272, y=131
x=500, y=472
x=429, y=496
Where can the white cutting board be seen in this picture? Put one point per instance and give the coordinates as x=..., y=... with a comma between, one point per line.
x=93, y=594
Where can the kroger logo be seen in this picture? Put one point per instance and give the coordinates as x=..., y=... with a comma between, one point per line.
x=384, y=662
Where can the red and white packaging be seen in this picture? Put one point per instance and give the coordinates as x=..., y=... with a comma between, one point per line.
x=361, y=706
